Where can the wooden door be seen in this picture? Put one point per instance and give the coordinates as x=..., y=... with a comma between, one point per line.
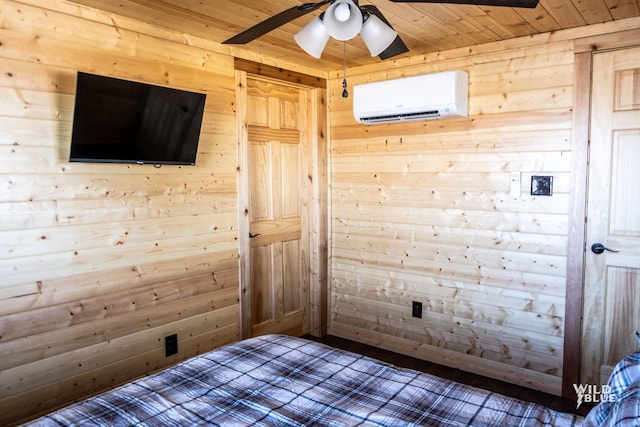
x=611, y=311
x=276, y=134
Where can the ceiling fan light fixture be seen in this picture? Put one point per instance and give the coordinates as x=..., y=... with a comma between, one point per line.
x=342, y=12
x=343, y=20
x=313, y=37
x=377, y=35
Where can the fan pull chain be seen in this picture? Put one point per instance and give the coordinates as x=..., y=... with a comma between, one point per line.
x=345, y=93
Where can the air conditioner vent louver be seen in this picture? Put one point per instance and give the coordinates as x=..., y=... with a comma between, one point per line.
x=401, y=117
x=428, y=96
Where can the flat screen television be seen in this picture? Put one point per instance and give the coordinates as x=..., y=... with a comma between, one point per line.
x=122, y=121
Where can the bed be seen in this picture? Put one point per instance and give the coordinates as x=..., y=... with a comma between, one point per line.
x=277, y=380
x=620, y=402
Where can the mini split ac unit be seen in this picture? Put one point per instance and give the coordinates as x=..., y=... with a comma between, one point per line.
x=429, y=96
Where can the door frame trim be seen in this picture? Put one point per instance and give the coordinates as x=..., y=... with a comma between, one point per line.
x=572, y=353
x=318, y=184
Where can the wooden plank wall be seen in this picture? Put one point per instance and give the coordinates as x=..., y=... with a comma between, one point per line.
x=421, y=211
x=98, y=262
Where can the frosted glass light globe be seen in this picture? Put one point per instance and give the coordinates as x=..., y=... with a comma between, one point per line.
x=342, y=12
x=343, y=20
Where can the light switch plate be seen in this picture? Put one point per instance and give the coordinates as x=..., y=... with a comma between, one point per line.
x=515, y=184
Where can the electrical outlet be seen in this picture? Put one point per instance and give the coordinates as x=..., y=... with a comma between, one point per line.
x=416, y=310
x=171, y=345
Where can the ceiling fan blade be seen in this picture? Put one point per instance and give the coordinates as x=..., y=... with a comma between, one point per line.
x=274, y=22
x=397, y=47
x=509, y=3
x=373, y=10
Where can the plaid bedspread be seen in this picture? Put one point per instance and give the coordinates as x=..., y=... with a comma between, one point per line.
x=620, y=407
x=277, y=380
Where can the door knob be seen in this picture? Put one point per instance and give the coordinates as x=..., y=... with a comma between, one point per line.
x=598, y=248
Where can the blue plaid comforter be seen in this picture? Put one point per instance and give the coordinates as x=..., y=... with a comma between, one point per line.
x=621, y=406
x=276, y=380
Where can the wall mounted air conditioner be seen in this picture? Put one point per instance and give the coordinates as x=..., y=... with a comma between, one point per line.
x=428, y=96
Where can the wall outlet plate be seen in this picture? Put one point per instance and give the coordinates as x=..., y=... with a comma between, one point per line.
x=171, y=345
x=416, y=309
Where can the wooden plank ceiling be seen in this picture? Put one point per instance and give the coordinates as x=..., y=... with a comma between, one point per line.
x=425, y=28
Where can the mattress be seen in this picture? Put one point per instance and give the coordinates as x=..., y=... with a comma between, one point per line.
x=277, y=380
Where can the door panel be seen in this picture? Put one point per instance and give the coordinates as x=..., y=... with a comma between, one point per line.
x=261, y=292
x=626, y=176
x=291, y=277
x=259, y=158
x=278, y=206
x=612, y=279
x=623, y=309
x=290, y=174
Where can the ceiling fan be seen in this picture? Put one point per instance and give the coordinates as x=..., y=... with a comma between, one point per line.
x=345, y=19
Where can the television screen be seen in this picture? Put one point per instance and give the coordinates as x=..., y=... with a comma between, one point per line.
x=122, y=121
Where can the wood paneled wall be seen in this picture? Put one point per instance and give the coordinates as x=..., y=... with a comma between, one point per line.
x=99, y=262
x=422, y=211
